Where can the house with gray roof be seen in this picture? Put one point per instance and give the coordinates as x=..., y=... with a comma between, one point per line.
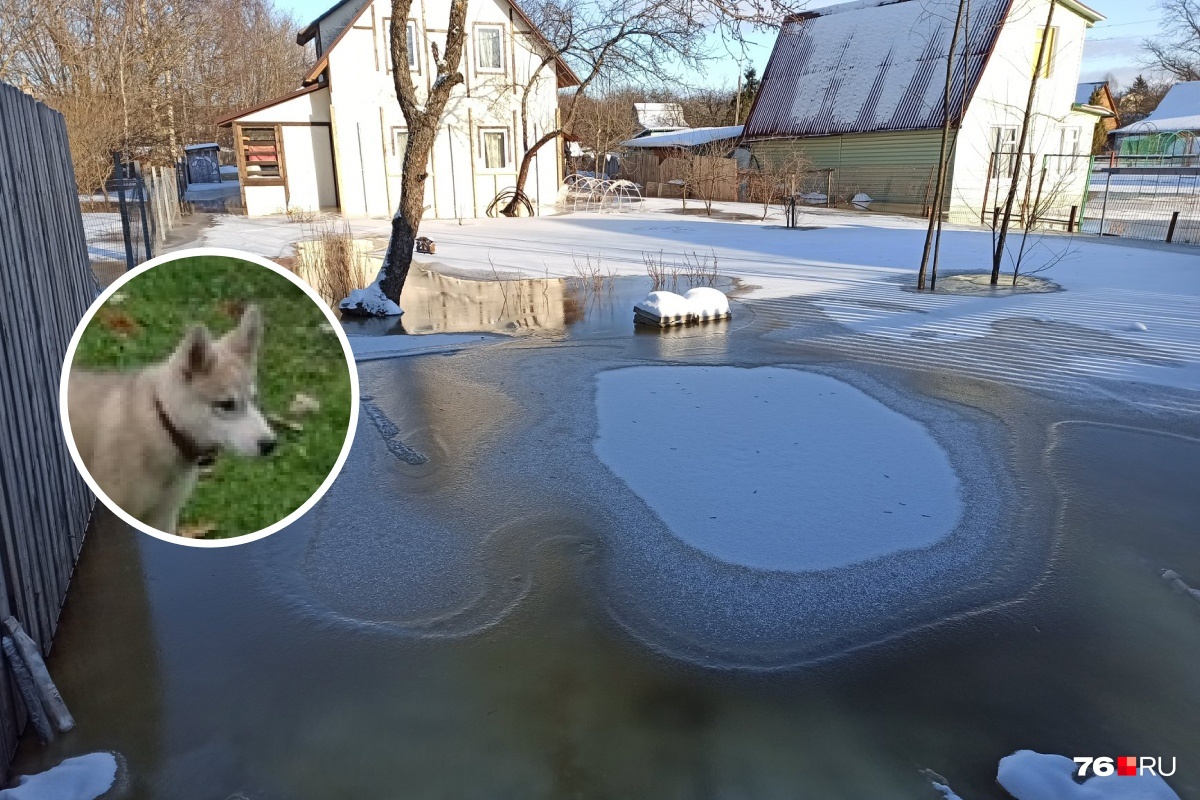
x=860, y=89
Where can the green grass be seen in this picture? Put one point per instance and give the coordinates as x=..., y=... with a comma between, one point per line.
x=299, y=355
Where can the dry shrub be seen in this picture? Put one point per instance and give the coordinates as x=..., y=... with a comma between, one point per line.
x=303, y=215
x=333, y=264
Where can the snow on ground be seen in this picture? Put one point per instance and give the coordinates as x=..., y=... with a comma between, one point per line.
x=1027, y=775
x=374, y=348
x=854, y=269
x=830, y=476
x=83, y=777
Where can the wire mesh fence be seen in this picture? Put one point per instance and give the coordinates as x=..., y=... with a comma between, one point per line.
x=126, y=223
x=1156, y=203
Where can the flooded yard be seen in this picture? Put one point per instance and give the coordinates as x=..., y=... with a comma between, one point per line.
x=524, y=611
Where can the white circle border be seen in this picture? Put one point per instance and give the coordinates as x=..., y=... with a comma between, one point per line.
x=70, y=357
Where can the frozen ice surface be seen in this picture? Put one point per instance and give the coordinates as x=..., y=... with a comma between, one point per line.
x=775, y=468
x=372, y=348
x=83, y=777
x=1027, y=775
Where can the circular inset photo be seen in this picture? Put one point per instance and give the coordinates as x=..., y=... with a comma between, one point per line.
x=209, y=397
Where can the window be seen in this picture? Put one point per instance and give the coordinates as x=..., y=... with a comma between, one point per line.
x=411, y=31
x=399, y=142
x=488, y=52
x=1046, y=49
x=494, y=147
x=1068, y=149
x=412, y=41
x=1004, y=151
x=262, y=156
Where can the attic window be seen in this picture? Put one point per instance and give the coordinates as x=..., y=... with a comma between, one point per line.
x=1046, y=50
x=488, y=50
x=262, y=157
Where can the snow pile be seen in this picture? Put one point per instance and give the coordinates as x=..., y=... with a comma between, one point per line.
x=83, y=777
x=1027, y=775
x=775, y=468
x=369, y=302
x=862, y=200
x=667, y=308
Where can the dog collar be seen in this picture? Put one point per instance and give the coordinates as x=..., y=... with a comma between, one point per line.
x=186, y=445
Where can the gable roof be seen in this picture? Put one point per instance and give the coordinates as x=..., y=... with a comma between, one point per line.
x=565, y=75
x=871, y=65
x=1179, y=110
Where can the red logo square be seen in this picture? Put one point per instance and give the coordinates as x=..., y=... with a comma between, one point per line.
x=1127, y=765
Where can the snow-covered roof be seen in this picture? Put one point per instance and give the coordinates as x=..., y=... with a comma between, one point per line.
x=689, y=137
x=1178, y=111
x=204, y=146
x=871, y=65
x=659, y=116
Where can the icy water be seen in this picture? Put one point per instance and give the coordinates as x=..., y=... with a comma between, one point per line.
x=507, y=619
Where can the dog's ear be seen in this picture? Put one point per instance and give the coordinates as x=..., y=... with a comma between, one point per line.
x=246, y=338
x=195, y=354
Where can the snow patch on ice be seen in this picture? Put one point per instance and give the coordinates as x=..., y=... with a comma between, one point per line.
x=1027, y=775
x=370, y=302
x=83, y=777
x=775, y=468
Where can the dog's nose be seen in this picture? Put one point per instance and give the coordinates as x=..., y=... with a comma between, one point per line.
x=265, y=446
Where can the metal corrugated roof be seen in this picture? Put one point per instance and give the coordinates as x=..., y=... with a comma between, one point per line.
x=873, y=65
x=687, y=137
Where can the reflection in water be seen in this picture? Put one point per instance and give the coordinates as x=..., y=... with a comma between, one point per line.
x=435, y=302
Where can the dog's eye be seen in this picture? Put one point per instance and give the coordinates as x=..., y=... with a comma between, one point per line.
x=227, y=405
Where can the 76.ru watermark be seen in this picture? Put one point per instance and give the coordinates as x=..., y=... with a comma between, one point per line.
x=1122, y=765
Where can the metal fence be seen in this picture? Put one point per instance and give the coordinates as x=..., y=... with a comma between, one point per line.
x=47, y=286
x=1156, y=203
x=128, y=222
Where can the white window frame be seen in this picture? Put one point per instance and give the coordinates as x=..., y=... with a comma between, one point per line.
x=1070, y=143
x=1004, y=160
x=504, y=150
x=479, y=67
x=414, y=46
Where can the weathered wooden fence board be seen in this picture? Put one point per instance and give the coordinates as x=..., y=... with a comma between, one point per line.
x=47, y=285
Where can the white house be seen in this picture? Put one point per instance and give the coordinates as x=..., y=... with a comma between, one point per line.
x=859, y=89
x=338, y=141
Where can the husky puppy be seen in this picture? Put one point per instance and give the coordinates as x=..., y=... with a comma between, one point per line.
x=144, y=434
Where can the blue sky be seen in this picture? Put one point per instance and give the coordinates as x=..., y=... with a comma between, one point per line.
x=1113, y=45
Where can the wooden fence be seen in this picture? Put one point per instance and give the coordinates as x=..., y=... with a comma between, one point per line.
x=46, y=287
x=706, y=176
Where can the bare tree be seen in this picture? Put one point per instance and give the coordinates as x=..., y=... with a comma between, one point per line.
x=778, y=179
x=147, y=75
x=1176, y=50
x=600, y=125
x=706, y=172
x=613, y=42
x=423, y=120
x=1026, y=123
x=607, y=41
x=943, y=165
